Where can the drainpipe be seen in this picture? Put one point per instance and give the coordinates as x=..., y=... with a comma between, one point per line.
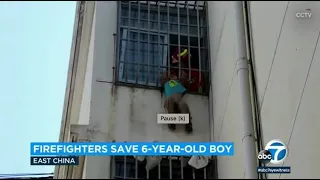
x=248, y=140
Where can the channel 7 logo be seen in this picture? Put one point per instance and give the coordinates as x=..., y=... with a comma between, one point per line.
x=275, y=152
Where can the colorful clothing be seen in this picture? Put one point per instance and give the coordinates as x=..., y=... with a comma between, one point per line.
x=196, y=83
x=172, y=87
x=183, y=59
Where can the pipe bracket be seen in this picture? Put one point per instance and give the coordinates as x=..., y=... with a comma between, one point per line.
x=242, y=64
x=246, y=135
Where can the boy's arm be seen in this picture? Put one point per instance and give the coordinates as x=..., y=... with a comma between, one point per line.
x=185, y=83
x=184, y=80
x=164, y=79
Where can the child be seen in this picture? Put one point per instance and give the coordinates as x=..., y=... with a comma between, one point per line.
x=183, y=56
x=196, y=79
x=174, y=92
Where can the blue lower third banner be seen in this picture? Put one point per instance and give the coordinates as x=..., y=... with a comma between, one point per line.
x=47, y=160
x=133, y=149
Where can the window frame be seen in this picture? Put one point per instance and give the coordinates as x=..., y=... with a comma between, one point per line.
x=122, y=55
x=120, y=164
x=202, y=26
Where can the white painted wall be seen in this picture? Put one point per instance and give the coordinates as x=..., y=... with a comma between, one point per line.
x=289, y=105
x=123, y=113
x=227, y=126
x=86, y=91
x=81, y=81
x=287, y=73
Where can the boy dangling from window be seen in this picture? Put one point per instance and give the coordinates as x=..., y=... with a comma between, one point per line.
x=174, y=90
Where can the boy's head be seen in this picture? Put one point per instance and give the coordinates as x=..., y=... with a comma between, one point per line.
x=183, y=54
x=173, y=75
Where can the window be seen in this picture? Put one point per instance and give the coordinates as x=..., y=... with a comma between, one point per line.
x=127, y=167
x=151, y=32
x=136, y=61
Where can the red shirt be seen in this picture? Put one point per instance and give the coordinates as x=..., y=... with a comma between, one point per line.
x=196, y=83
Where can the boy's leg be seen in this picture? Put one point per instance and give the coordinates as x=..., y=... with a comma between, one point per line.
x=184, y=108
x=169, y=105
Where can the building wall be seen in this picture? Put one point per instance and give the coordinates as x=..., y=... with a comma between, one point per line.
x=225, y=105
x=75, y=96
x=85, y=104
x=286, y=68
x=122, y=113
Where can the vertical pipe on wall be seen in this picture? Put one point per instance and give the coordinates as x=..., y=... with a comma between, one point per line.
x=248, y=140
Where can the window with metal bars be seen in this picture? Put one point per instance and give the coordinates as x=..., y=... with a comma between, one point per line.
x=149, y=35
x=173, y=167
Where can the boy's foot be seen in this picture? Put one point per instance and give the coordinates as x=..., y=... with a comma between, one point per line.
x=172, y=127
x=189, y=128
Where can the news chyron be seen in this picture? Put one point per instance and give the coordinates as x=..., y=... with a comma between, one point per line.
x=274, y=153
x=50, y=160
x=66, y=153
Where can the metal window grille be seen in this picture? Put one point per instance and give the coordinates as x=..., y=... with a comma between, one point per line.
x=148, y=34
x=170, y=167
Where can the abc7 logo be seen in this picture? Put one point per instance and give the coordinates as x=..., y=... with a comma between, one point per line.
x=275, y=152
x=264, y=156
